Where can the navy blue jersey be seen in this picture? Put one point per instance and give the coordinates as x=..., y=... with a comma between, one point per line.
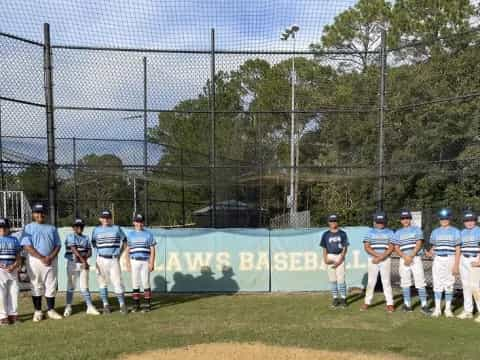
x=334, y=242
x=81, y=242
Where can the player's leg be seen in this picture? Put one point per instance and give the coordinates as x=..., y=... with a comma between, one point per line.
x=332, y=278
x=342, y=286
x=385, y=275
x=71, y=282
x=136, y=283
x=51, y=285
x=372, y=270
x=34, y=271
x=3, y=298
x=83, y=275
x=147, y=291
x=465, y=267
x=102, y=279
x=420, y=284
x=116, y=279
x=405, y=283
x=437, y=273
x=475, y=287
x=448, y=284
x=12, y=299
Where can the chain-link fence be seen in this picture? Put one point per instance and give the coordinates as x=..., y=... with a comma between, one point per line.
x=179, y=120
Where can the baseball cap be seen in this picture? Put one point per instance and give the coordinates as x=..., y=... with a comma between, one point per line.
x=469, y=216
x=78, y=222
x=445, y=214
x=4, y=223
x=38, y=208
x=380, y=217
x=405, y=214
x=332, y=218
x=138, y=218
x=106, y=214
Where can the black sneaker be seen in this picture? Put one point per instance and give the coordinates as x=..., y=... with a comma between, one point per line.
x=335, y=303
x=406, y=308
x=146, y=309
x=343, y=303
x=425, y=310
x=106, y=309
x=135, y=309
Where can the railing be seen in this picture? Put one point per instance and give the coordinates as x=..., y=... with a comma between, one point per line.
x=300, y=219
x=14, y=206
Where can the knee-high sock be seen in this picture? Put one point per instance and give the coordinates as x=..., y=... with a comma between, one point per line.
x=87, y=297
x=407, y=299
x=50, y=303
x=334, y=289
x=438, y=300
x=121, y=299
x=69, y=299
x=448, y=300
x=147, y=295
x=104, y=296
x=136, y=296
x=422, y=294
x=37, y=303
x=342, y=289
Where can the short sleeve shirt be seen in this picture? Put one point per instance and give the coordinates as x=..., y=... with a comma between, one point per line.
x=139, y=243
x=43, y=238
x=334, y=242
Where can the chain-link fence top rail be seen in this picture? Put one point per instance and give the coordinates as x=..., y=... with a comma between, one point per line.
x=118, y=67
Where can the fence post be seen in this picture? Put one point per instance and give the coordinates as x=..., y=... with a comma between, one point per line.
x=145, y=140
x=213, y=189
x=47, y=69
x=381, y=170
x=182, y=174
x=2, y=170
x=75, y=180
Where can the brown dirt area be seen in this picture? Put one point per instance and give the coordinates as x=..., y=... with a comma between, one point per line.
x=235, y=351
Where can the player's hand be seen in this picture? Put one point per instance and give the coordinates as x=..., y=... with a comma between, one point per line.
x=408, y=260
x=85, y=266
x=455, y=270
x=475, y=263
x=329, y=262
x=45, y=260
x=151, y=267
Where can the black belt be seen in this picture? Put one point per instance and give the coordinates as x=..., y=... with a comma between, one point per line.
x=469, y=256
x=443, y=255
x=109, y=256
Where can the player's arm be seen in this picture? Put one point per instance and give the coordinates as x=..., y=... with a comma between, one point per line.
x=368, y=248
x=151, y=264
x=16, y=265
x=456, y=265
x=83, y=260
x=33, y=252
x=54, y=253
x=326, y=260
x=128, y=263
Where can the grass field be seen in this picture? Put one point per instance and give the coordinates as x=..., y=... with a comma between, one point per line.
x=300, y=320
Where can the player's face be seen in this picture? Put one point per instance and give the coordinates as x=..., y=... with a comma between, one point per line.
x=405, y=222
x=379, y=225
x=470, y=224
x=4, y=231
x=333, y=225
x=444, y=222
x=138, y=225
x=78, y=230
x=105, y=221
x=39, y=217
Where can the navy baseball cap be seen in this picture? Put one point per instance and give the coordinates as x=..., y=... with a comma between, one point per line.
x=106, y=214
x=39, y=208
x=78, y=222
x=4, y=223
x=469, y=216
x=445, y=214
x=380, y=217
x=138, y=218
x=332, y=218
x=405, y=214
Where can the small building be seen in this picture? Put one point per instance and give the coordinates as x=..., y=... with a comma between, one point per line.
x=231, y=214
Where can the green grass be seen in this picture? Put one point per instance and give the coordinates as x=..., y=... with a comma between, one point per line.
x=302, y=320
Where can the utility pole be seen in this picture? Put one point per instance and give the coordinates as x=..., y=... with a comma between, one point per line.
x=381, y=140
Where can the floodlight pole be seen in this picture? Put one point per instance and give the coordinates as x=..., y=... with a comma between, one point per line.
x=213, y=195
x=2, y=170
x=145, y=143
x=381, y=140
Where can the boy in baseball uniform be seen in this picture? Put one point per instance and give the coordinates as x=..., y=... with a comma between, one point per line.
x=469, y=253
x=42, y=244
x=10, y=261
x=408, y=242
x=445, y=241
x=141, y=262
x=379, y=247
x=77, y=252
x=109, y=241
x=335, y=244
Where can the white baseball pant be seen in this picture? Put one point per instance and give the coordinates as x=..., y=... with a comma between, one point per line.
x=415, y=269
x=442, y=273
x=8, y=294
x=384, y=268
x=336, y=274
x=75, y=273
x=475, y=284
x=140, y=274
x=108, y=271
x=43, y=278
x=465, y=274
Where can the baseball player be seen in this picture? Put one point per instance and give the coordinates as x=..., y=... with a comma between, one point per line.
x=469, y=253
x=10, y=261
x=42, y=244
x=378, y=245
x=109, y=241
x=445, y=241
x=335, y=244
x=141, y=262
x=77, y=252
x=408, y=243
x=475, y=283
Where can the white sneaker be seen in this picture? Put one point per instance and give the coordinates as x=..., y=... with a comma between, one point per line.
x=448, y=313
x=52, y=314
x=477, y=319
x=37, y=316
x=437, y=313
x=465, y=315
x=68, y=311
x=91, y=310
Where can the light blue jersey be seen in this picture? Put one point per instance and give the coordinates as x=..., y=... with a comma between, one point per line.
x=9, y=249
x=139, y=243
x=470, y=242
x=379, y=239
x=108, y=240
x=444, y=240
x=81, y=242
x=406, y=238
x=43, y=238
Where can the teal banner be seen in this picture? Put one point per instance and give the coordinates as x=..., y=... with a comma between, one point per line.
x=247, y=260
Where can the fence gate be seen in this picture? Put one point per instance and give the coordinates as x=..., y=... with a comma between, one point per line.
x=14, y=206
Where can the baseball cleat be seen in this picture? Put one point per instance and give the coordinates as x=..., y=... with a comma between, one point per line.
x=123, y=310
x=406, y=308
x=52, y=314
x=68, y=311
x=91, y=310
x=343, y=303
x=364, y=307
x=146, y=309
x=448, y=313
x=425, y=310
x=37, y=316
x=106, y=309
x=13, y=319
x=4, y=322
x=390, y=308
x=335, y=303
x=135, y=309
x=465, y=315
x=436, y=313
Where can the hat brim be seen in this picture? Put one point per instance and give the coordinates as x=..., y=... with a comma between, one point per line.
x=105, y=216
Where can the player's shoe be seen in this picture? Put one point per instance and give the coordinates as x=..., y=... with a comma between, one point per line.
x=4, y=322
x=135, y=309
x=390, y=308
x=342, y=303
x=477, y=319
x=37, y=316
x=53, y=315
x=68, y=311
x=13, y=319
x=406, y=308
x=436, y=313
x=364, y=307
x=448, y=313
x=465, y=315
x=92, y=310
x=146, y=308
x=425, y=310
x=106, y=309
x=123, y=309
x=335, y=303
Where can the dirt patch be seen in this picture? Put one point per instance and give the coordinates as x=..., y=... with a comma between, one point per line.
x=235, y=351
